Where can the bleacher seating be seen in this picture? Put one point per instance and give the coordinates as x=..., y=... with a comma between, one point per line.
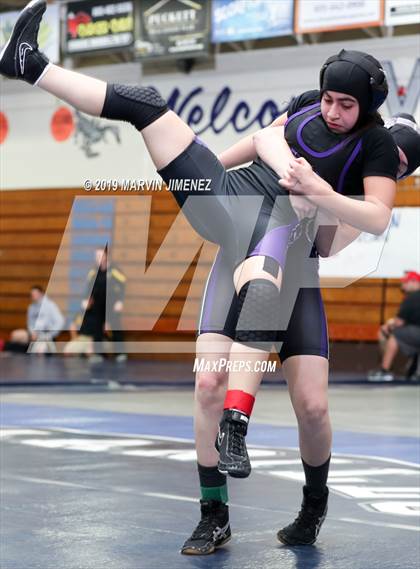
x=33, y=223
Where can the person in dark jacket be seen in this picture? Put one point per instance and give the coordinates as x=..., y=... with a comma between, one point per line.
x=105, y=287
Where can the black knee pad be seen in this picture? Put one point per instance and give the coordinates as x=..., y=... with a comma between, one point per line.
x=259, y=308
x=139, y=106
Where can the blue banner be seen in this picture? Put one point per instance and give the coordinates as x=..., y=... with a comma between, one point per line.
x=235, y=20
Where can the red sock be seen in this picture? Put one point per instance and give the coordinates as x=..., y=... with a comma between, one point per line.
x=239, y=400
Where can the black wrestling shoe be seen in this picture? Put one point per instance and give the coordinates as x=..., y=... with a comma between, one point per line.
x=230, y=443
x=305, y=529
x=20, y=58
x=212, y=531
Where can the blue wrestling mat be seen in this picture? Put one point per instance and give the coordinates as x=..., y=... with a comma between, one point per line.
x=85, y=489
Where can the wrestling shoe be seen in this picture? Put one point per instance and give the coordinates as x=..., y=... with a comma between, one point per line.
x=230, y=443
x=20, y=58
x=212, y=531
x=305, y=529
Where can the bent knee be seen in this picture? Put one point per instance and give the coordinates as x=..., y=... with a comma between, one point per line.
x=210, y=386
x=312, y=413
x=209, y=382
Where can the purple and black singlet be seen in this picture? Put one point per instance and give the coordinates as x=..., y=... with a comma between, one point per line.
x=247, y=213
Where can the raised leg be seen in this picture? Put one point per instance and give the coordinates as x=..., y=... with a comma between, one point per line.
x=165, y=136
x=141, y=106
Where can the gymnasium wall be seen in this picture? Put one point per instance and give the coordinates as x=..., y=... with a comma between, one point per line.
x=43, y=149
x=46, y=239
x=48, y=151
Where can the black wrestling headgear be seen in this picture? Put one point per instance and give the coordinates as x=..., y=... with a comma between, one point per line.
x=406, y=134
x=357, y=74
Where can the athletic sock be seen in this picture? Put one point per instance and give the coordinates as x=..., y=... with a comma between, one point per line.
x=139, y=106
x=213, y=484
x=316, y=476
x=240, y=401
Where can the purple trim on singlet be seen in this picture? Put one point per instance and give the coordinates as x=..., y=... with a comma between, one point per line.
x=313, y=153
x=274, y=244
x=198, y=140
x=347, y=165
x=301, y=112
x=324, y=348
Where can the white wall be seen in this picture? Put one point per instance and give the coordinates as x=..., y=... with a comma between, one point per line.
x=31, y=158
x=380, y=256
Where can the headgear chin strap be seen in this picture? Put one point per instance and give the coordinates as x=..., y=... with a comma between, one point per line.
x=374, y=80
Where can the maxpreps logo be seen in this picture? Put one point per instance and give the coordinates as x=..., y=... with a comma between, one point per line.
x=99, y=26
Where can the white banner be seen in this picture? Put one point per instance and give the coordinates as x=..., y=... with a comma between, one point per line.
x=399, y=12
x=384, y=256
x=329, y=15
x=49, y=31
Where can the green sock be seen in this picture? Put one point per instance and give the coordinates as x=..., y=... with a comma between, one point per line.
x=219, y=493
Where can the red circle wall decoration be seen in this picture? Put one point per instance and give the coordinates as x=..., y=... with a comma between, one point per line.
x=62, y=124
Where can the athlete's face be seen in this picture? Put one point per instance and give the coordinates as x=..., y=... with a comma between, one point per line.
x=402, y=169
x=339, y=111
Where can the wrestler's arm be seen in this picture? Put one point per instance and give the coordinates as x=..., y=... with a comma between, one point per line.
x=333, y=235
x=271, y=146
x=350, y=216
x=372, y=214
x=244, y=151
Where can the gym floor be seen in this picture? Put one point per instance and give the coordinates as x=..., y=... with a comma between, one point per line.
x=102, y=474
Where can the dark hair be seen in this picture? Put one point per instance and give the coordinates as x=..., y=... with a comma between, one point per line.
x=371, y=120
x=37, y=287
x=377, y=119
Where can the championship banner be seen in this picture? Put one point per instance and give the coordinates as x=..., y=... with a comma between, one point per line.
x=237, y=20
x=400, y=12
x=174, y=28
x=94, y=26
x=331, y=15
x=49, y=31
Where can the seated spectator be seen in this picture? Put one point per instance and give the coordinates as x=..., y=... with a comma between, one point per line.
x=44, y=323
x=401, y=332
x=18, y=342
